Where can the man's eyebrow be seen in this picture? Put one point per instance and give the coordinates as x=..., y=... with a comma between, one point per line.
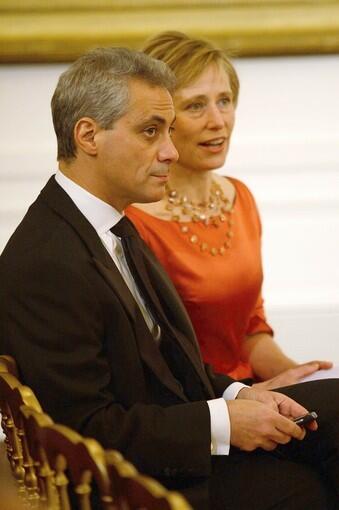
x=157, y=118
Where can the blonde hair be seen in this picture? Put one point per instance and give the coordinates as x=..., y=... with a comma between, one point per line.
x=188, y=57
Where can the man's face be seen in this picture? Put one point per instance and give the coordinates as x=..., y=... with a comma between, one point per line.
x=133, y=157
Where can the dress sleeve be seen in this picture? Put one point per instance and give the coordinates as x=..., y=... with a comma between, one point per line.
x=258, y=322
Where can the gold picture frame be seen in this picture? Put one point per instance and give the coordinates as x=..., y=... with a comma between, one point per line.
x=61, y=30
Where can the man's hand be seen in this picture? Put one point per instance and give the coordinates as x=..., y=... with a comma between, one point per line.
x=293, y=375
x=264, y=419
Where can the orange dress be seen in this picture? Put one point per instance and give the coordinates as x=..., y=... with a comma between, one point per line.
x=222, y=293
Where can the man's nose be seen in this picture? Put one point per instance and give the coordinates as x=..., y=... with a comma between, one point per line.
x=168, y=152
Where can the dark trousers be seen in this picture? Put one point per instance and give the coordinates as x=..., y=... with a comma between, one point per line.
x=300, y=475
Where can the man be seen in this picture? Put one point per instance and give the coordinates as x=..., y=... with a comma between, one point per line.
x=100, y=334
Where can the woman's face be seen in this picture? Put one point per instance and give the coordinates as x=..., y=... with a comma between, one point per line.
x=205, y=115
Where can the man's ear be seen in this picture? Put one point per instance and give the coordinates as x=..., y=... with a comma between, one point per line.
x=84, y=135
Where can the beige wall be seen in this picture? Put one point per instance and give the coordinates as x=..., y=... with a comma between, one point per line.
x=285, y=146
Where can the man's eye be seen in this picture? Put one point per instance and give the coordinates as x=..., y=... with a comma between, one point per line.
x=151, y=131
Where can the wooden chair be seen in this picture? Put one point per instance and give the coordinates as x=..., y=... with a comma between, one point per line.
x=69, y=464
x=46, y=457
x=137, y=492
x=12, y=396
x=8, y=364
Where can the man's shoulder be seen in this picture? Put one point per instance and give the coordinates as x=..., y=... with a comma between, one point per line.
x=41, y=236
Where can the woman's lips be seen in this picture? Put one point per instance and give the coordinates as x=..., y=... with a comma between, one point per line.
x=215, y=145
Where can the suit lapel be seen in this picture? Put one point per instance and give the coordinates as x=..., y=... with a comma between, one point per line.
x=184, y=331
x=148, y=348
x=60, y=202
x=114, y=279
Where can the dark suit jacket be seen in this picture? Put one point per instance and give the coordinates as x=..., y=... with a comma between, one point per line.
x=81, y=343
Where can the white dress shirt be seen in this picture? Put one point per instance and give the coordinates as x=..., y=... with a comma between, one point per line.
x=103, y=217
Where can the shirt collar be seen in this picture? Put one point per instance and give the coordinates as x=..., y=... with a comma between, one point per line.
x=101, y=215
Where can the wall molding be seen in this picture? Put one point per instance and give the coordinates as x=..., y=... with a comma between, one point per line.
x=39, y=31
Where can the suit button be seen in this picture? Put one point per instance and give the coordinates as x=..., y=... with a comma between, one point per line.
x=156, y=332
x=180, y=386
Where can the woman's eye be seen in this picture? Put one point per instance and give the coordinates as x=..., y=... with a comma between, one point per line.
x=195, y=107
x=225, y=101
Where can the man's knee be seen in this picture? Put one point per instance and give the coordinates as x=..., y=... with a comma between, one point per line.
x=266, y=483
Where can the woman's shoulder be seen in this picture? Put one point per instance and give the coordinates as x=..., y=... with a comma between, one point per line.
x=235, y=189
x=228, y=182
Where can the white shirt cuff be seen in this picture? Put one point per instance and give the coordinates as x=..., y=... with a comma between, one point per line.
x=220, y=427
x=232, y=390
x=220, y=420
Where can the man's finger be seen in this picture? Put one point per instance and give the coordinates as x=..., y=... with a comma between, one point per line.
x=288, y=427
x=269, y=445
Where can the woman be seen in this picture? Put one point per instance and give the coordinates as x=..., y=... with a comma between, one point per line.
x=206, y=230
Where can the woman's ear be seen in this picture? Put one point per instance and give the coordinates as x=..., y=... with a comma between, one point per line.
x=84, y=135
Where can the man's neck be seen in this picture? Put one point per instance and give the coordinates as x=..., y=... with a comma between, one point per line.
x=88, y=180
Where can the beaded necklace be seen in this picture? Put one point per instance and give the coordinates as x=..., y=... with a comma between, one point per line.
x=216, y=211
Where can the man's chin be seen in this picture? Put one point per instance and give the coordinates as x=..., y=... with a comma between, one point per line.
x=154, y=197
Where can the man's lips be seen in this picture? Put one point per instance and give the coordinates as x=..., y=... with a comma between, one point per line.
x=161, y=175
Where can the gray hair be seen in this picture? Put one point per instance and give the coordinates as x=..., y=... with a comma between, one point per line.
x=96, y=86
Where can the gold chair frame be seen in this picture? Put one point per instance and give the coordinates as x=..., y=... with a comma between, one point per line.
x=12, y=396
x=66, y=458
x=135, y=491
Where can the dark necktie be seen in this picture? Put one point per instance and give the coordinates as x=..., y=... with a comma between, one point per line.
x=134, y=257
x=177, y=361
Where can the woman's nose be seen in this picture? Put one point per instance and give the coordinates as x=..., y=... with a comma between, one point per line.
x=216, y=118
